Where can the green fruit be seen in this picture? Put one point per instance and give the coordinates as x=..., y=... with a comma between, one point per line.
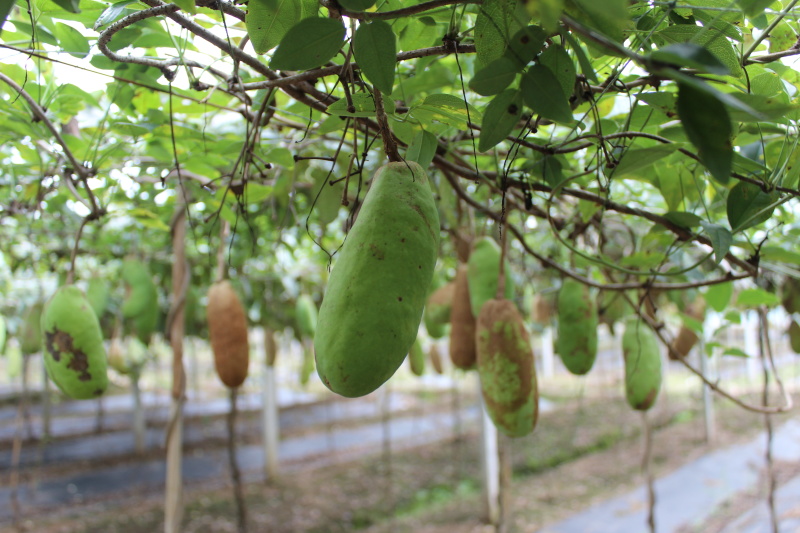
x=74, y=355
x=416, y=359
x=30, y=339
x=794, y=336
x=2, y=334
x=14, y=364
x=437, y=310
x=141, y=302
x=373, y=305
x=577, y=327
x=307, y=367
x=611, y=308
x=305, y=313
x=790, y=295
x=642, y=364
x=484, y=272
x=98, y=293
x=506, y=368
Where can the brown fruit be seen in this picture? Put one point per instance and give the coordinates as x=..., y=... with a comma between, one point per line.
x=227, y=329
x=542, y=309
x=686, y=338
x=436, y=359
x=462, y=324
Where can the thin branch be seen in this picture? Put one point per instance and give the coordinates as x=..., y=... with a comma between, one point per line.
x=335, y=70
x=398, y=13
x=79, y=169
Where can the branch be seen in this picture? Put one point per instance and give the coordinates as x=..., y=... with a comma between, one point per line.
x=398, y=13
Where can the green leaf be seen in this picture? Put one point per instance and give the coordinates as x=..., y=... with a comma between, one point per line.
x=754, y=7
x=780, y=254
x=560, y=63
x=749, y=206
x=499, y=118
x=5, y=8
x=717, y=296
x=721, y=239
x=72, y=41
x=363, y=106
x=548, y=169
x=268, y=21
x=634, y=160
x=542, y=92
x=446, y=109
x=494, y=77
x=735, y=352
x=525, y=45
x=112, y=13
x=583, y=60
x=546, y=11
x=756, y=298
x=73, y=6
x=496, y=23
x=309, y=44
x=707, y=125
x=375, y=50
x=422, y=148
x=708, y=38
x=357, y=5
x=328, y=199
x=683, y=219
x=690, y=55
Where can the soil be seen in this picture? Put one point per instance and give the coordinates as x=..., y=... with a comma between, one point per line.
x=584, y=451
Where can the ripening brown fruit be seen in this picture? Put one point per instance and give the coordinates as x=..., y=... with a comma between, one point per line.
x=462, y=324
x=436, y=359
x=227, y=329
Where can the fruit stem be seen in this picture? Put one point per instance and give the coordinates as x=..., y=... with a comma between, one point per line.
x=389, y=144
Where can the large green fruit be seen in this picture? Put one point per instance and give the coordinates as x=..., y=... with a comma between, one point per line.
x=98, y=293
x=305, y=313
x=141, y=301
x=30, y=338
x=416, y=358
x=577, y=327
x=373, y=305
x=506, y=368
x=74, y=355
x=642, y=364
x=437, y=310
x=484, y=272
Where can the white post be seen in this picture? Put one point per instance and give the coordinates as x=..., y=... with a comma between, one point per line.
x=548, y=357
x=490, y=464
x=271, y=427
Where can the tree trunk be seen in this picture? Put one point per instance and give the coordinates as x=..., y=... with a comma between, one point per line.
x=173, y=503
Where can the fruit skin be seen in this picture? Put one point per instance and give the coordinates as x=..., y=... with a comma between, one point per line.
x=642, y=364
x=506, y=368
x=305, y=313
x=484, y=272
x=437, y=310
x=462, y=324
x=227, y=329
x=307, y=368
x=436, y=359
x=98, y=294
x=686, y=338
x=74, y=355
x=2, y=334
x=373, y=304
x=416, y=358
x=141, y=302
x=577, y=327
x=794, y=336
x=612, y=307
x=30, y=338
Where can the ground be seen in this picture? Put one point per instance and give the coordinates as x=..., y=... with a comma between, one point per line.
x=585, y=450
